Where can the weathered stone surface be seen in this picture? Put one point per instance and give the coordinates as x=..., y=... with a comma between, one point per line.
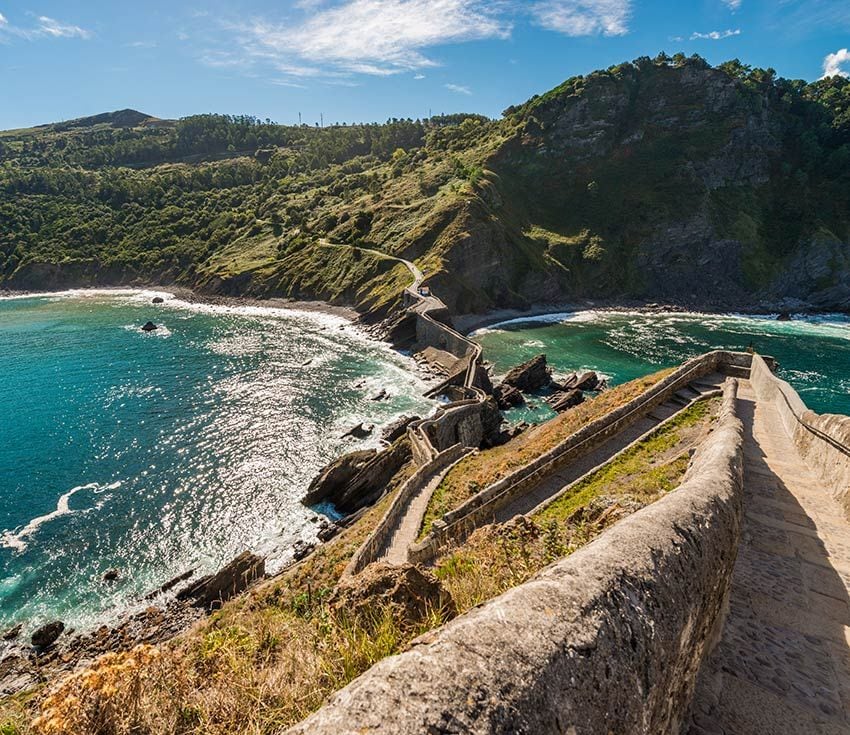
x=227, y=582
x=334, y=478
x=564, y=401
x=361, y=431
x=507, y=396
x=531, y=375
x=608, y=640
x=149, y=327
x=47, y=634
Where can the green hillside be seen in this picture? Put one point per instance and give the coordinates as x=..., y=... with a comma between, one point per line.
x=660, y=179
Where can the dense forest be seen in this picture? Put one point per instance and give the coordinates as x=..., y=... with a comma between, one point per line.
x=660, y=178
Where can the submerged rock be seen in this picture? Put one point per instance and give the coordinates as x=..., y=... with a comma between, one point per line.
x=111, y=575
x=46, y=635
x=149, y=327
x=531, y=375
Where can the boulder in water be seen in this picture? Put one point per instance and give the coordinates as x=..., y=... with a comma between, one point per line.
x=563, y=401
x=361, y=431
x=783, y=317
x=507, y=396
x=149, y=327
x=111, y=575
x=157, y=300
x=226, y=583
x=46, y=635
x=531, y=375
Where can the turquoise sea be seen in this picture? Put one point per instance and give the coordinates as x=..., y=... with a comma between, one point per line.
x=156, y=453
x=813, y=351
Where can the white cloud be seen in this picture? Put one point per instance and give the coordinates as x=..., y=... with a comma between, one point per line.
x=832, y=64
x=46, y=28
x=715, y=35
x=339, y=38
x=733, y=5
x=377, y=37
x=419, y=76
x=51, y=27
x=459, y=88
x=584, y=17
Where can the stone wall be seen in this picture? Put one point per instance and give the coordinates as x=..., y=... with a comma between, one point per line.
x=381, y=537
x=823, y=440
x=479, y=509
x=608, y=640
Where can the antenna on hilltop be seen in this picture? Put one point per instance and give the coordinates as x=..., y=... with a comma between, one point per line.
x=299, y=119
x=322, y=119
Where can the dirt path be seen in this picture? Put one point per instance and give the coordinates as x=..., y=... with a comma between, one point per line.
x=783, y=662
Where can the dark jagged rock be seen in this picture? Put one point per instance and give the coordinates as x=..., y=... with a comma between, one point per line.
x=569, y=399
x=336, y=476
x=171, y=584
x=371, y=482
x=149, y=327
x=783, y=317
x=13, y=632
x=227, y=582
x=530, y=376
x=46, y=635
x=157, y=300
x=361, y=431
x=328, y=531
x=111, y=575
x=587, y=381
x=397, y=428
x=381, y=395
x=507, y=396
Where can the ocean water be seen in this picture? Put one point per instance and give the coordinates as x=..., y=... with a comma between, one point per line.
x=813, y=352
x=156, y=453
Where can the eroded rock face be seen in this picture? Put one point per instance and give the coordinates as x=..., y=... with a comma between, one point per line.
x=333, y=480
x=410, y=593
x=507, y=396
x=397, y=428
x=227, y=582
x=568, y=399
x=531, y=375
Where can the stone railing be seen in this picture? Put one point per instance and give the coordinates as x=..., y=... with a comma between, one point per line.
x=459, y=523
x=822, y=440
x=609, y=639
x=379, y=539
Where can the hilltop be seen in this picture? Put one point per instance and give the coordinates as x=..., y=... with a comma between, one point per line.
x=657, y=180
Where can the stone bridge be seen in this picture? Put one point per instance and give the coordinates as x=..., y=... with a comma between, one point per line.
x=721, y=608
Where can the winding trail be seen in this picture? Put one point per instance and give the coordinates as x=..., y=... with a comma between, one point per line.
x=782, y=665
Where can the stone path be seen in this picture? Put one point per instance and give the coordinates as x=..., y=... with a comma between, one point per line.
x=582, y=465
x=408, y=529
x=782, y=665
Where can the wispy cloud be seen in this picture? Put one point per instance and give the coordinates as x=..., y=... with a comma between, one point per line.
x=715, y=35
x=833, y=63
x=142, y=44
x=459, y=88
x=340, y=38
x=45, y=27
x=584, y=17
x=733, y=4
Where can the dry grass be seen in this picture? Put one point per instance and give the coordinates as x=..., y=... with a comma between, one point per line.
x=498, y=557
x=474, y=473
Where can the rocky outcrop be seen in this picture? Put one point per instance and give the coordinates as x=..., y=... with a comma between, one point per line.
x=530, y=376
x=333, y=479
x=410, y=594
x=46, y=635
x=566, y=400
x=507, y=396
x=232, y=579
x=396, y=429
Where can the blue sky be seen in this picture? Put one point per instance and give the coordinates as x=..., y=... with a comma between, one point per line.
x=363, y=60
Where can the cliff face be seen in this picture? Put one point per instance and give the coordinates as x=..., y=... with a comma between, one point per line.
x=656, y=180
x=676, y=184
